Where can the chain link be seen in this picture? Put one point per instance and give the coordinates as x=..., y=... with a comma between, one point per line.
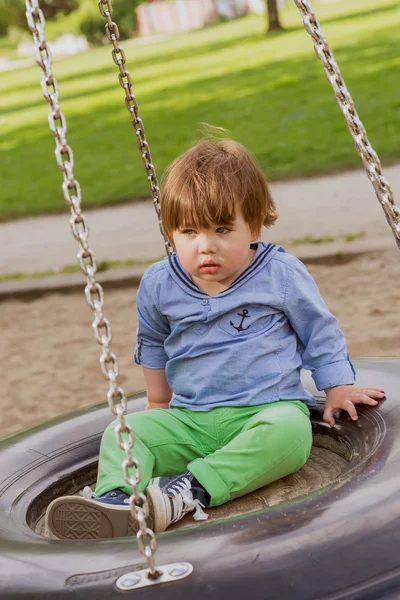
x=138, y=501
x=368, y=155
x=125, y=80
x=94, y=292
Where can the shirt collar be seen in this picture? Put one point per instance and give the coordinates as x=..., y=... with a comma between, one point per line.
x=263, y=254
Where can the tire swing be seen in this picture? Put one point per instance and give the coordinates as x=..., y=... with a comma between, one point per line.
x=288, y=540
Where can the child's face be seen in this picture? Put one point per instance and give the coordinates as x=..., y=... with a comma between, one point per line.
x=216, y=256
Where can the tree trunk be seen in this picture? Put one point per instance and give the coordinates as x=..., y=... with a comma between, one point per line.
x=273, y=17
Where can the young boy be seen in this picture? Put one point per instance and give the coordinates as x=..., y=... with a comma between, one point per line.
x=225, y=325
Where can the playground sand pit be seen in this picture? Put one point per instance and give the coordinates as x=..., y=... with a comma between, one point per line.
x=50, y=358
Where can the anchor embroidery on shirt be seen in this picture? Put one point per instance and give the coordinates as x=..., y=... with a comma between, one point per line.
x=244, y=316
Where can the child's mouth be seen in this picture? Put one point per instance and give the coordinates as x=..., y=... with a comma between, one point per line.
x=209, y=268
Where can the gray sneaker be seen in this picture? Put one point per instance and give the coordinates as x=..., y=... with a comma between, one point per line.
x=171, y=498
x=90, y=517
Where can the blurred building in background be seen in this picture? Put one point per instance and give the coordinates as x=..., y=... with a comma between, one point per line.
x=162, y=16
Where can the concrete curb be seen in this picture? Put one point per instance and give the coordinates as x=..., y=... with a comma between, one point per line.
x=31, y=288
x=329, y=254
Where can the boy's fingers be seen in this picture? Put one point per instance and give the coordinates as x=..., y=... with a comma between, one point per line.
x=328, y=416
x=374, y=392
x=363, y=399
x=369, y=400
x=351, y=409
x=349, y=405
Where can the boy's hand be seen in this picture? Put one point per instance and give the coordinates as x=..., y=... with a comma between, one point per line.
x=344, y=397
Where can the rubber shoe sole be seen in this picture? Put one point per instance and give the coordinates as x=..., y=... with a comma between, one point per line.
x=76, y=518
x=160, y=507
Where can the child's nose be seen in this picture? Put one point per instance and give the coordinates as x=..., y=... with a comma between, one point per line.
x=206, y=244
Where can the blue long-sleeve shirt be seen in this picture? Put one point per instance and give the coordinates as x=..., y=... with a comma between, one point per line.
x=246, y=345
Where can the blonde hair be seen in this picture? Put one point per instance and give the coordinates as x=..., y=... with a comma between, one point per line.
x=209, y=182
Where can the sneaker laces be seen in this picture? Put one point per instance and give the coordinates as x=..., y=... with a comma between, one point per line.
x=183, y=495
x=87, y=493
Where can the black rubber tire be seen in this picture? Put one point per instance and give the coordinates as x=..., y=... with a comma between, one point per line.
x=339, y=542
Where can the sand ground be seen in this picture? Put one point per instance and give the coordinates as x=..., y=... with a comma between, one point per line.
x=50, y=357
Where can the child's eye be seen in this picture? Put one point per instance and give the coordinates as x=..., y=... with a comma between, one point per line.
x=223, y=230
x=188, y=231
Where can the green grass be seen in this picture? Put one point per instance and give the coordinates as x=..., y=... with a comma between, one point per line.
x=103, y=265
x=311, y=239
x=268, y=91
x=350, y=237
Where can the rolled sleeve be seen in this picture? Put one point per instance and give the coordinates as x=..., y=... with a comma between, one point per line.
x=339, y=373
x=323, y=350
x=153, y=327
x=151, y=357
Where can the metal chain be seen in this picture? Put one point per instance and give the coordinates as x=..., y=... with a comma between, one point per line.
x=368, y=155
x=94, y=292
x=112, y=31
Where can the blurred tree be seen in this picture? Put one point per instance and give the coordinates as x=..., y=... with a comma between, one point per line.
x=3, y=22
x=15, y=10
x=51, y=8
x=272, y=15
x=93, y=25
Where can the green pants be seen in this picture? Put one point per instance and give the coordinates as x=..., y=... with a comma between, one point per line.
x=230, y=451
